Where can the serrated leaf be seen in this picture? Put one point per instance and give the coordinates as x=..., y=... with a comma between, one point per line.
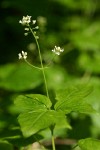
x=71, y=99
x=89, y=144
x=30, y=101
x=36, y=114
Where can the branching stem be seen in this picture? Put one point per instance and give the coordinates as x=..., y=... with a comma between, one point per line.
x=43, y=72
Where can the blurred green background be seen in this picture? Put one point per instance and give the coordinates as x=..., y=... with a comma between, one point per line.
x=72, y=25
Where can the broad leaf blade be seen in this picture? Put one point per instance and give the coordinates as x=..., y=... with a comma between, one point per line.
x=89, y=144
x=34, y=121
x=32, y=101
x=71, y=99
x=21, y=75
x=60, y=120
x=36, y=114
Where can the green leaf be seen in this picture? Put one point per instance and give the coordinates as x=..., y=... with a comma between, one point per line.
x=71, y=99
x=32, y=101
x=15, y=137
x=89, y=144
x=90, y=63
x=36, y=114
x=57, y=75
x=34, y=121
x=86, y=40
x=21, y=75
x=4, y=145
x=20, y=141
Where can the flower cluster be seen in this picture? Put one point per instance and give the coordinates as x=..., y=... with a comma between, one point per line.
x=25, y=20
x=57, y=50
x=22, y=55
x=28, y=22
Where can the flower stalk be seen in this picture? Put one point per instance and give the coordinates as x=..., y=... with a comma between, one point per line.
x=28, y=23
x=40, y=56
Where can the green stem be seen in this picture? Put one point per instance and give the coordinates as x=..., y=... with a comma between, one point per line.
x=50, y=61
x=32, y=65
x=53, y=141
x=40, y=61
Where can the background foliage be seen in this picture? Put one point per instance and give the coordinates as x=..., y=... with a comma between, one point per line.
x=73, y=25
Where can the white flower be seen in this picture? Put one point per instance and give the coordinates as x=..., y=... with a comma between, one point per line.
x=37, y=27
x=25, y=34
x=25, y=20
x=22, y=55
x=33, y=21
x=57, y=50
x=26, y=29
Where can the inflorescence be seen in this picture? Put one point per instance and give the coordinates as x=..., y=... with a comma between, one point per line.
x=28, y=23
x=57, y=50
x=22, y=55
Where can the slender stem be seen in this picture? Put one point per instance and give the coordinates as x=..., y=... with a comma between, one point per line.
x=40, y=61
x=53, y=141
x=32, y=65
x=50, y=61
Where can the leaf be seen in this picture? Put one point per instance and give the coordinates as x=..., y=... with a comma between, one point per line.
x=57, y=75
x=90, y=63
x=34, y=121
x=36, y=114
x=19, y=77
x=4, y=145
x=89, y=144
x=71, y=99
x=20, y=141
x=30, y=101
x=15, y=137
x=85, y=39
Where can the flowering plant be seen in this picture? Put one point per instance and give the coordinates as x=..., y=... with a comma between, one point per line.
x=38, y=112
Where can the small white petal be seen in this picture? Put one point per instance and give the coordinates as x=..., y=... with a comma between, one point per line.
x=37, y=27
x=34, y=21
x=20, y=21
x=37, y=37
x=25, y=20
x=57, y=50
x=25, y=34
x=26, y=29
x=20, y=56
